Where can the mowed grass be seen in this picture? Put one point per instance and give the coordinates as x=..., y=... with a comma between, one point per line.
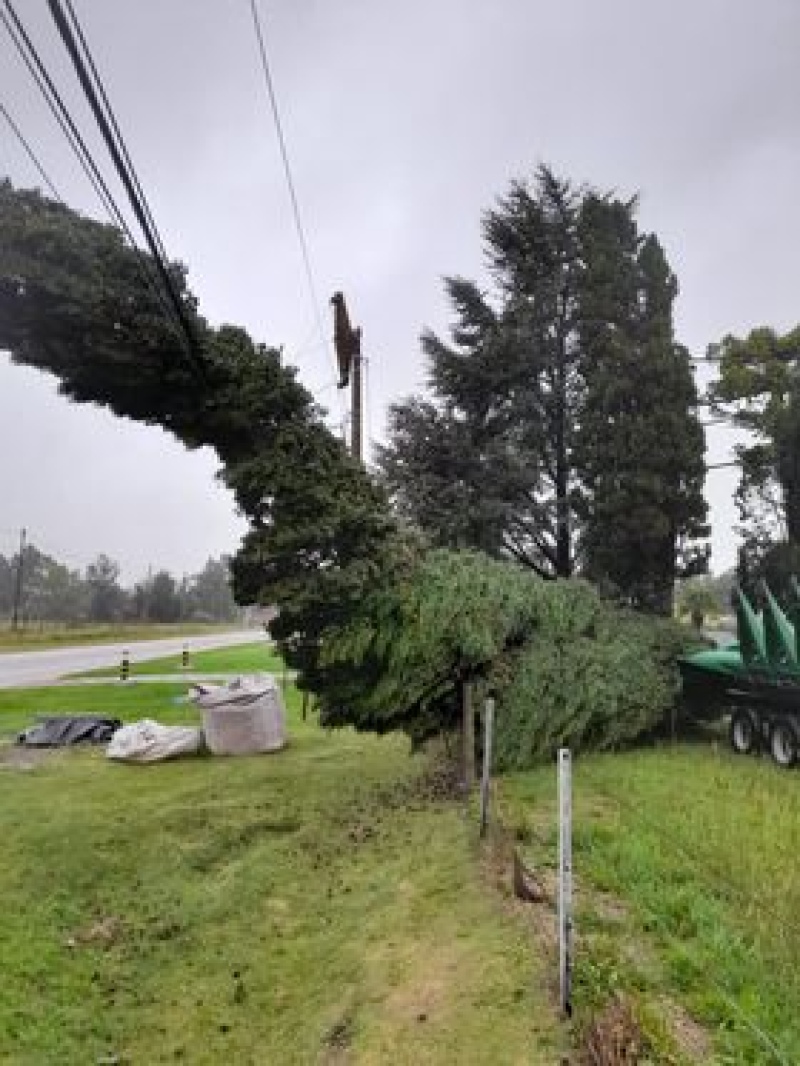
x=311, y=906
x=258, y=657
x=61, y=635
x=165, y=702
x=688, y=894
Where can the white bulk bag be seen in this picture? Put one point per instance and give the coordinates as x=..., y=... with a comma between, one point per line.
x=244, y=717
x=149, y=741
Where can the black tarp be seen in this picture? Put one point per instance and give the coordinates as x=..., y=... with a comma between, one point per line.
x=64, y=730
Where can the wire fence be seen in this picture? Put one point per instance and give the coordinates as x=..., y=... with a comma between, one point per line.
x=694, y=870
x=697, y=868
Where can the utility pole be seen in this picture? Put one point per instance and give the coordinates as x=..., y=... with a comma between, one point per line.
x=347, y=342
x=18, y=585
x=356, y=413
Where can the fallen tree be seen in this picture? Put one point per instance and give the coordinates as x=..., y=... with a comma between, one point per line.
x=383, y=631
x=74, y=303
x=565, y=666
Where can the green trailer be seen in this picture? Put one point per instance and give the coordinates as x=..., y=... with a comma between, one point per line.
x=755, y=681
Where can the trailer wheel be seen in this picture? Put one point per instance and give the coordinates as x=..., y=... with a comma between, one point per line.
x=783, y=744
x=743, y=733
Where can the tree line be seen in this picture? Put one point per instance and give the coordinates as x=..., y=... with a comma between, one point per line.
x=50, y=591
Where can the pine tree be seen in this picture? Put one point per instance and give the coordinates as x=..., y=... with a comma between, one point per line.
x=488, y=463
x=562, y=427
x=640, y=444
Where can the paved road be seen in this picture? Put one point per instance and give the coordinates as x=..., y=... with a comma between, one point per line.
x=41, y=667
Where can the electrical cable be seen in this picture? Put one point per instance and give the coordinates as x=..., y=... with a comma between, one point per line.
x=115, y=126
x=30, y=57
x=301, y=236
x=68, y=37
x=30, y=153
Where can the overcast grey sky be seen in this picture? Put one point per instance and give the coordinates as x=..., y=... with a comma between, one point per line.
x=404, y=121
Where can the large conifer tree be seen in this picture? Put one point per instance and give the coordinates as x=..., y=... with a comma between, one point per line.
x=562, y=428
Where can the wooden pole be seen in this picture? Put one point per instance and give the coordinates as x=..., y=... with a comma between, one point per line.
x=488, y=733
x=18, y=584
x=468, y=735
x=356, y=430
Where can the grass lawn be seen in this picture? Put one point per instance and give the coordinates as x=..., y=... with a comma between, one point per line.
x=688, y=894
x=314, y=906
x=57, y=635
x=244, y=658
x=162, y=701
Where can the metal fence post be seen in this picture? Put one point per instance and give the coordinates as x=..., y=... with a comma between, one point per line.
x=488, y=733
x=565, y=880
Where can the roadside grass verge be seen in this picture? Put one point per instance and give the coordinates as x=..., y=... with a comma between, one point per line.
x=163, y=701
x=687, y=895
x=320, y=905
x=258, y=657
x=62, y=635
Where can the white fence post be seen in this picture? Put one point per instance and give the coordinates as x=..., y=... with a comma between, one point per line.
x=565, y=880
x=488, y=732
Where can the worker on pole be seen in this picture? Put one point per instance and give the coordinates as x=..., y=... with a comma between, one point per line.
x=347, y=342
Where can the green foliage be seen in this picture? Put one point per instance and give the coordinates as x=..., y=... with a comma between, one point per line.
x=640, y=445
x=487, y=465
x=592, y=677
x=759, y=390
x=106, y=597
x=699, y=597
x=777, y=564
x=209, y=595
x=565, y=666
x=562, y=429
x=72, y=303
x=433, y=620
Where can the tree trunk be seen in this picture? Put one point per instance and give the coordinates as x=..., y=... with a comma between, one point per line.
x=563, y=537
x=467, y=735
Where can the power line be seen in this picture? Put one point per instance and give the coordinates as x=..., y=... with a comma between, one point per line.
x=36, y=68
x=119, y=154
x=301, y=236
x=115, y=126
x=30, y=57
x=30, y=152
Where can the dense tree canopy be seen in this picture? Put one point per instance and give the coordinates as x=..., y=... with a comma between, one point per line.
x=639, y=449
x=562, y=428
x=759, y=390
x=73, y=303
x=565, y=666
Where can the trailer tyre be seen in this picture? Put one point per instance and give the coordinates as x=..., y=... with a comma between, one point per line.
x=783, y=744
x=743, y=733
